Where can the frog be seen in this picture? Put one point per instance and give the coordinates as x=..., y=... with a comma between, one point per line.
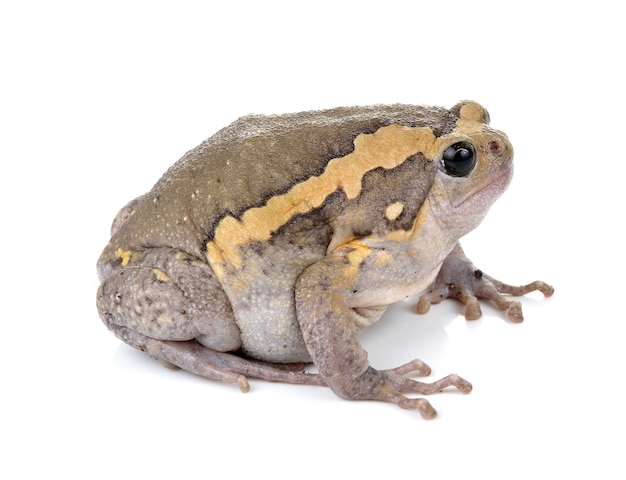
x=265, y=251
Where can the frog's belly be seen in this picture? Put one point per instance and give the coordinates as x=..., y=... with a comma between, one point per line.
x=261, y=290
x=269, y=329
x=262, y=296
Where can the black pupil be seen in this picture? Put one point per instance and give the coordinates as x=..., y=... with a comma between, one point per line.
x=459, y=159
x=462, y=155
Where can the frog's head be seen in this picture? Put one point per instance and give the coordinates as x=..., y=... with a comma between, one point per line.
x=475, y=165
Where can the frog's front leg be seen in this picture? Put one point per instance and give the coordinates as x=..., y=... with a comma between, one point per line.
x=460, y=279
x=326, y=305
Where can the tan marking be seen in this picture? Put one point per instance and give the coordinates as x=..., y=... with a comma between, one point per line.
x=387, y=147
x=358, y=252
x=382, y=258
x=398, y=236
x=472, y=112
x=161, y=275
x=216, y=260
x=394, y=210
x=124, y=255
x=422, y=218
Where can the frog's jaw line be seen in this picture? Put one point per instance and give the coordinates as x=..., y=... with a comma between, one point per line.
x=489, y=193
x=461, y=217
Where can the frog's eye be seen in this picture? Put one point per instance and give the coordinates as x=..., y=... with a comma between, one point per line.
x=458, y=160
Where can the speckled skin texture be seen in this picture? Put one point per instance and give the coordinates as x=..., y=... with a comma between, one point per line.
x=280, y=238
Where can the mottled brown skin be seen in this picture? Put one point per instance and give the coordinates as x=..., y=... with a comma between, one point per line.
x=279, y=239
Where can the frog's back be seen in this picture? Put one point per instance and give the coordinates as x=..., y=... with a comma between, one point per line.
x=251, y=161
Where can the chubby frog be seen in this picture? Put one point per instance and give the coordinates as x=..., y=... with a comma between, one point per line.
x=275, y=242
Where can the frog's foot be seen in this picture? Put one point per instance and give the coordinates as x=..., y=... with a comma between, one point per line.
x=226, y=367
x=414, y=368
x=391, y=385
x=423, y=406
x=460, y=279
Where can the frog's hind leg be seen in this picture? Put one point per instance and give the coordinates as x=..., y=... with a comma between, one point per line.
x=226, y=367
x=195, y=357
x=160, y=300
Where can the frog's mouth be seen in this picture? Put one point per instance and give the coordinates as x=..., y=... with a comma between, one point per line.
x=489, y=193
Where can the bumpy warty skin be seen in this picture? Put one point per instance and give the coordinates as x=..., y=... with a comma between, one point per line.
x=282, y=237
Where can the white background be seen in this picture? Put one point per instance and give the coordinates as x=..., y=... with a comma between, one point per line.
x=98, y=98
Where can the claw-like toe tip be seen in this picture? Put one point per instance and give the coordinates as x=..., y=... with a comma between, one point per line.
x=244, y=386
x=426, y=409
x=419, y=368
x=472, y=310
x=514, y=312
x=460, y=383
x=465, y=387
x=423, y=305
x=422, y=405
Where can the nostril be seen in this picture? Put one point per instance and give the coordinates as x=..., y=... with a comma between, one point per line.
x=495, y=147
